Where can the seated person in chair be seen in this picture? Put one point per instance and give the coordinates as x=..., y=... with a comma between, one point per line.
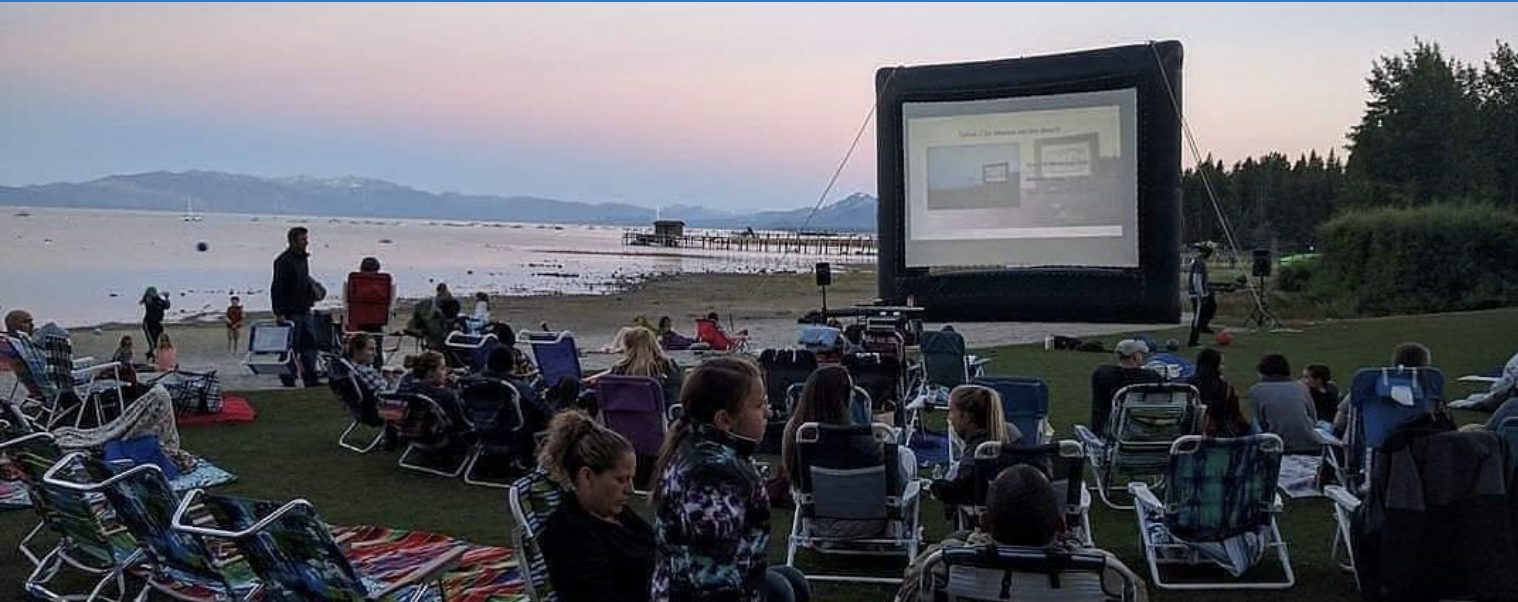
x=502, y=365
x=642, y=356
x=1283, y=406
x=976, y=416
x=1022, y=509
x=361, y=352
x=596, y=547
x=428, y=375
x=1107, y=379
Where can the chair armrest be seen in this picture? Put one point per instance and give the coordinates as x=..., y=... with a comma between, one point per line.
x=1342, y=497
x=1088, y=439
x=1143, y=496
x=913, y=490
x=81, y=363
x=978, y=361
x=427, y=572
x=1327, y=438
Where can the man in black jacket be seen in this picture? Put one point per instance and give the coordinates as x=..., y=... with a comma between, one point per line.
x=1199, y=286
x=291, y=296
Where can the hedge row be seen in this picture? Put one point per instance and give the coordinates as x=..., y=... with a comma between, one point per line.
x=1425, y=259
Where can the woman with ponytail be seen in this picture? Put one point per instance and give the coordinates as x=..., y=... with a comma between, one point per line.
x=711, y=512
x=596, y=547
x=976, y=417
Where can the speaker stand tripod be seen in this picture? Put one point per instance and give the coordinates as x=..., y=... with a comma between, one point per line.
x=1261, y=315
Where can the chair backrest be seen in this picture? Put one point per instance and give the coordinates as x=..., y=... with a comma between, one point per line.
x=27, y=363
x=944, y=359
x=709, y=332
x=342, y=378
x=368, y=299
x=533, y=498
x=847, y=473
x=1218, y=488
x=287, y=545
x=634, y=407
x=1373, y=400
x=555, y=353
x=997, y=573
x=783, y=368
x=1024, y=401
x=72, y=515
x=144, y=503
x=476, y=347
x=58, y=360
x=885, y=340
x=417, y=419
x=493, y=408
x=269, y=337
x=1063, y=460
x=1154, y=413
x=879, y=375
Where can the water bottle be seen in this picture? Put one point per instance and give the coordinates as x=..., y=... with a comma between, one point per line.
x=937, y=471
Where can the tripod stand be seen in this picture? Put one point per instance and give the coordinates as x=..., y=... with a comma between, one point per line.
x=1261, y=315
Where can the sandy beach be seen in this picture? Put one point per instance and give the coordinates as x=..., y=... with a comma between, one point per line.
x=766, y=304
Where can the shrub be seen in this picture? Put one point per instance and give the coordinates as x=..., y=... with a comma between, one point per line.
x=1296, y=276
x=1425, y=259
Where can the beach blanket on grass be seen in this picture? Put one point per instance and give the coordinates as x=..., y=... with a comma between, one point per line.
x=1299, y=476
x=234, y=409
x=484, y=574
x=202, y=474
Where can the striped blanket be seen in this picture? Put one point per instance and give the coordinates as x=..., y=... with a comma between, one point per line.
x=484, y=574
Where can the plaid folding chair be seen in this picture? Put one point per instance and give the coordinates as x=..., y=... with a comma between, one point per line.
x=1219, y=509
x=292, y=552
x=176, y=564
x=361, y=404
x=555, y=353
x=58, y=386
x=1146, y=419
x=533, y=498
x=1062, y=462
x=851, y=497
x=426, y=428
x=997, y=573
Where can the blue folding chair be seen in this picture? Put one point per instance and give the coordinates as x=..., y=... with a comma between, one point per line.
x=1025, y=402
x=556, y=355
x=1381, y=401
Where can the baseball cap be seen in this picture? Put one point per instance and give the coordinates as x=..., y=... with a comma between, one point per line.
x=1128, y=347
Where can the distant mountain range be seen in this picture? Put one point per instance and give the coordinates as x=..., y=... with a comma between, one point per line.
x=217, y=192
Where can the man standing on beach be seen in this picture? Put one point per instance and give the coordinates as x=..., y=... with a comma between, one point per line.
x=291, y=296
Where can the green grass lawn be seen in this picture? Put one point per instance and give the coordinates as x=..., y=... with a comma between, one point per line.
x=291, y=452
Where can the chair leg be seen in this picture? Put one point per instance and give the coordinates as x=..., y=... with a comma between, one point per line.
x=469, y=465
x=427, y=469
x=24, y=548
x=342, y=440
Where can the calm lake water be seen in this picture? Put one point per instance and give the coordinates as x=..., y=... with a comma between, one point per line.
x=81, y=267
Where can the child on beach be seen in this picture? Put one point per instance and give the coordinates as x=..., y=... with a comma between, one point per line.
x=481, y=309
x=123, y=354
x=164, y=356
x=233, y=320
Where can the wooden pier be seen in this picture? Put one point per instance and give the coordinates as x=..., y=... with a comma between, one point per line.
x=802, y=243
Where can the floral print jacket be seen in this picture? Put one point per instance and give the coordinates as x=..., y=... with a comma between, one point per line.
x=711, y=522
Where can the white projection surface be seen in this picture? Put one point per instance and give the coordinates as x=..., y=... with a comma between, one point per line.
x=1022, y=182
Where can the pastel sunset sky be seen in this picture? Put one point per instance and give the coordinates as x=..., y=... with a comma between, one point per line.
x=729, y=106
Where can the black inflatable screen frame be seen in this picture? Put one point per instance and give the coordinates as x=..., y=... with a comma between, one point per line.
x=1148, y=293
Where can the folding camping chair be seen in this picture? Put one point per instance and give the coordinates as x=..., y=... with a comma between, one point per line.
x=1374, y=415
x=178, y=565
x=271, y=349
x=710, y=332
x=361, y=404
x=997, y=573
x=1381, y=401
x=851, y=498
x=1219, y=509
x=493, y=408
x=1063, y=463
x=1025, y=404
x=469, y=349
x=294, y=555
x=883, y=378
x=1146, y=419
x=89, y=542
x=425, y=427
x=782, y=368
x=635, y=408
x=58, y=385
x=946, y=364
x=555, y=354
x=533, y=498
